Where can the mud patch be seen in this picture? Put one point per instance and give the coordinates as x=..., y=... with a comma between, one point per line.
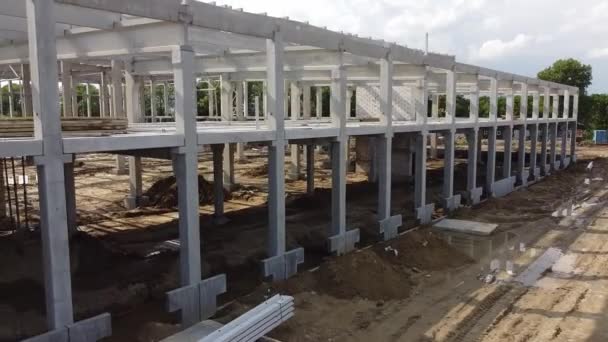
x=163, y=193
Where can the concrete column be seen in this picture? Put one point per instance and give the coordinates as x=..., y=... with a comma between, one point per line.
x=423, y=211
x=166, y=98
x=573, y=141
x=227, y=109
x=450, y=113
x=245, y=99
x=50, y=166
x=450, y=201
x=240, y=114
x=279, y=264
x=295, y=157
x=319, y=102
x=474, y=103
x=507, y=134
x=566, y=113
x=228, y=160
x=553, y=146
x=26, y=88
x=564, y=145
x=435, y=116
x=339, y=241
x=212, y=112
x=510, y=102
x=103, y=95
x=153, y=103
x=88, y=99
x=555, y=113
x=491, y=162
x=535, y=106
x=195, y=304
x=2, y=190
x=522, y=175
x=11, y=99
x=546, y=103
x=473, y=192
x=523, y=109
x=310, y=169
x=493, y=100
x=533, y=151
x=70, y=197
x=135, y=183
x=544, y=135
x=133, y=98
x=306, y=105
x=75, y=102
x=117, y=95
x=218, y=183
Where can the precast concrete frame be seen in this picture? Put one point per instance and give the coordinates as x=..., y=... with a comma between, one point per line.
x=123, y=45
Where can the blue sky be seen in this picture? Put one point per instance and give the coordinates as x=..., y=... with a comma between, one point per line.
x=521, y=36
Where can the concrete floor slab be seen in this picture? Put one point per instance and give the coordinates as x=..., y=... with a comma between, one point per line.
x=467, y=227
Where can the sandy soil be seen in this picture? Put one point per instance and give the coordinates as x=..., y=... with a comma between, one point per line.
x=424, y=286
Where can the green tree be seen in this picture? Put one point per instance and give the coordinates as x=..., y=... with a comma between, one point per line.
x=570, y=72
x=576, y=74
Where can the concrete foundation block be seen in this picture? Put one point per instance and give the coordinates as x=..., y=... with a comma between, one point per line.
x=524, y=178
x=504, y=187
x=547, y=170
x=452, y=203
x=566, y=162
x=342, y=244
x=389, y=228
x=132, y=202
x=557, y=165
x=474, y=196
x=197, y=302
x=88, y=330
x=425, y=213
x=284, y=266
x=536, y=173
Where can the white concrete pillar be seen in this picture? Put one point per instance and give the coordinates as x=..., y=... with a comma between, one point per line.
x=388, y=226
x=523, y=108
x=319, y=102
x=510, y=102
x=103, y=95
x=133, y=99
x=522, y=175
x=135, y=183
x=306, y=105
x=295, y=156
x=564, y=143
x=50, y=166
x=211, y=101
x=279, y=264
x=533, y=150
x=491, y=162
x=555, y=113
x=423, y=211
x=153, y=102
x=310, y=169
x=26, y=89
x=450, y=113
x=535, y=106
x=117, y=93
x=218, y=183
x=434, y=116
x=227, y=109
x=88, y=99
x=553, y=127
x=450, y=201
x=544, y=136
x=185, y=165
x=546, y=102
x=493, y=100
x=166, y=99
x=11, y=99
x=473, y=192
x=507, y=135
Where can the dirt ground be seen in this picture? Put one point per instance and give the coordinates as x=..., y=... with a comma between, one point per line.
x=423, y=286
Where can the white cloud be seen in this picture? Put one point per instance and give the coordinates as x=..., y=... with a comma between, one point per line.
x=499, y=48
x=598, y=53
x=532, y=33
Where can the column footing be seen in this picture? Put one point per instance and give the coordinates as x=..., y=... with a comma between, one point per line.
x=535, y=174
x=89, y=330
x=425, y=213
x=134, y=202
x=197, y=302
x=503, y=187
x=389, y=228
x=283, y=266
x=523, y=182
x=344, y=243
x=474, y=196
x=565, y=163
x=451, y=203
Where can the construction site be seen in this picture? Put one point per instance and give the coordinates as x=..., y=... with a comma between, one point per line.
x=174, y=170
